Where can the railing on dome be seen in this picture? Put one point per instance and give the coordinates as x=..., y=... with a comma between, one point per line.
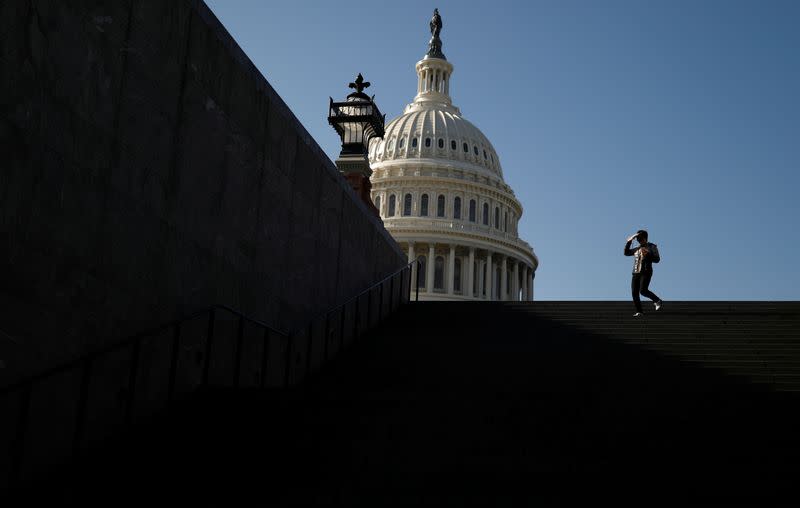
x=247, y=357
x=451, y=226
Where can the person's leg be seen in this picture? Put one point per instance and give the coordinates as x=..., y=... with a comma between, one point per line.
x=635, y=281
x=645, y=287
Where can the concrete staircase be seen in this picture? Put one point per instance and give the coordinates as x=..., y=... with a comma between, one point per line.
x=488, y=404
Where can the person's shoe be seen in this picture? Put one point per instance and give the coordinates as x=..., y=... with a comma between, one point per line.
x=638, y=314
x=659, y=304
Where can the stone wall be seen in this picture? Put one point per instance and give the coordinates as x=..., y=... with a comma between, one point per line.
x=149, y=170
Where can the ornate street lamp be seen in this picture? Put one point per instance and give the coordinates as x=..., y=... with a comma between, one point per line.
x=357, y=121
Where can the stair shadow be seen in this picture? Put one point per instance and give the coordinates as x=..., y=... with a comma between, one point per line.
x=439, y=397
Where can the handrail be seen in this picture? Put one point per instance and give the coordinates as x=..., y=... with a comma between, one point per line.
x=85, y=364
x=359, y=295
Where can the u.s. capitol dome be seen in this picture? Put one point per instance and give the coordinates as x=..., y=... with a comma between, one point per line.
x=438, y=185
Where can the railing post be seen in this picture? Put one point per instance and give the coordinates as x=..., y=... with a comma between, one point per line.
x=264, y=359
x=391, y=294
x=309, y=349
x=83, y=397
x=327, y=336
x=342, y=326
x=237, y=367
x=380, y=302
x=18, y=448
x=355, y=320
x=369, y=308
x=288, y=361
x=209, y=340
x=132, y=378
x=173, y=362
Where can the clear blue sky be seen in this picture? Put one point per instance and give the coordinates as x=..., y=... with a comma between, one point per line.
x=678, y=116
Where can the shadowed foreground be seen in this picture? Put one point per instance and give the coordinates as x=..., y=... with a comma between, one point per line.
x=489, y=403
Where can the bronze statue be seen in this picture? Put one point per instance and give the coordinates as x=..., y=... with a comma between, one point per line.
x=436, y=24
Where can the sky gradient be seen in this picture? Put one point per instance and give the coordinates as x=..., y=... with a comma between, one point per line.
x=680, y=117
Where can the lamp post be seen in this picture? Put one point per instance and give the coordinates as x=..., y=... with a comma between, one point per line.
x=357, y=120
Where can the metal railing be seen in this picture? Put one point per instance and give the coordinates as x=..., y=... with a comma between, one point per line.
x=93, y=391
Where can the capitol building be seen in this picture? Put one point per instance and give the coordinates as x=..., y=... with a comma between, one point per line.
x=438, y=185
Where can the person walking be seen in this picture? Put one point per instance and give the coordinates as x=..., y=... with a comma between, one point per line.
x=643, y=258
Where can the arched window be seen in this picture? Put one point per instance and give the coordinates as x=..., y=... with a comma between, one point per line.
x=453, y=144
x=457, y=208
x=391, y=144
x=475, y=149
x=402, y=143
x=427, y=142
x=440, y=206
x=505, y=222
x=392, y=205
x=438, y=273
x=485, y=214
x=414, y=143
x=423, y=206
x=441, y=142
x=484, y=155
x=407, y=205
x=466, y=148
x=457, y=276
x=497, y=218
x=471, y=210
x=421, y=271
x=378, y=203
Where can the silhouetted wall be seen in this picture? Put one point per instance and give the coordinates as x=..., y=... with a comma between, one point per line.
x=148, y=170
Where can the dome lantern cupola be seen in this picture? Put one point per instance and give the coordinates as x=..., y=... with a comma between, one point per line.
x=434, y=71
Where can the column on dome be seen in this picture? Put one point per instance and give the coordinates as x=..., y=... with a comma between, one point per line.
x=471, y=273
x=488, y=283
x=412, y=255
x=515, y=281
x=480, y=279
x=429, y=268
x=524, y=283
x=451, y=269
x=504, y=279
x=533, y=279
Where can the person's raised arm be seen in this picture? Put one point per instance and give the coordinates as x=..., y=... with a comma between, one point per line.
x=628, y=250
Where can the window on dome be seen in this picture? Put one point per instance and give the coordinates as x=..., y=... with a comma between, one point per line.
x=440, y=206
x=466, y=148
x=471, y=210
x=485, y=214
x=441, y=143
x=414, y=143
x=475, y=149
x=457, y=276
x=427, y=142
x=378, y=203
x=497, y=218
x=484, y=155
x=421, y=272
x=457, y=208
x=453, y=144
x=402, y=143
x=391, y=145
x=392, y=205
x=438, y=273
x=407, y=205
x=423, y=206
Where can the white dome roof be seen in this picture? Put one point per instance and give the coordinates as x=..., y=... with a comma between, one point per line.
x=439, y=133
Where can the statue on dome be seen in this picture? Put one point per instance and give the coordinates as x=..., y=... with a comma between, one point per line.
x=435, y=44
x=436, y=24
